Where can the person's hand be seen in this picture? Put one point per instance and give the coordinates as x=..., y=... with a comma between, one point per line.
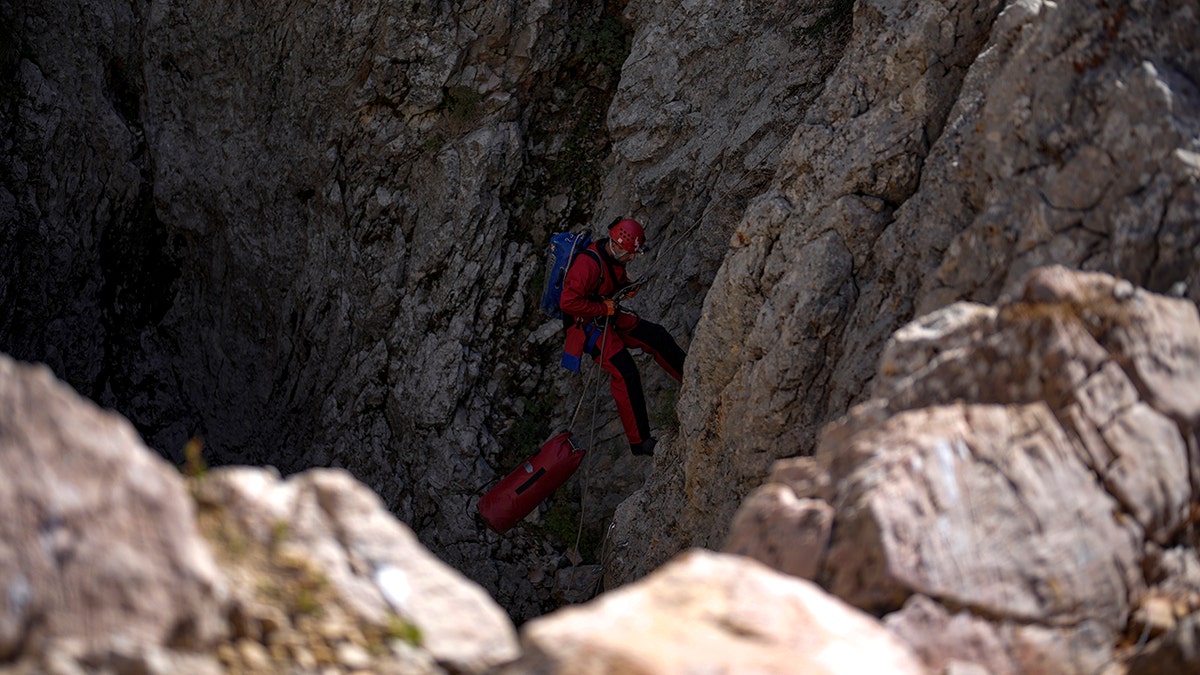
x=610, y=307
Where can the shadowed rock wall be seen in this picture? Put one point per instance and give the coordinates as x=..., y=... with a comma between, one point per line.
x=303, y=233
x=310, y=234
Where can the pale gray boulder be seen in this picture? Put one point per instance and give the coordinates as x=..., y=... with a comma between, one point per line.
x=98, y=544
x=711, y=612
x=1008, y=495
x=110, y=561
x=377, y=572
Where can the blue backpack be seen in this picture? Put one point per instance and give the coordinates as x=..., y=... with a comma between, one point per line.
x=563, y=248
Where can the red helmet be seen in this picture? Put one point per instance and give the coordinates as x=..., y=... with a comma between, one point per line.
x=628, y=234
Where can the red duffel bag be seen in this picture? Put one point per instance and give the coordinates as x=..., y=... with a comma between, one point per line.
x=521, y=491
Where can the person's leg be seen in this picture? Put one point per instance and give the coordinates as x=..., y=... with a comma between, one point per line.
x=657, y=342
x=625, y=383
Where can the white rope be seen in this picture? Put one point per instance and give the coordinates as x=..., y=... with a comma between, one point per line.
x=571, y=424
x=591, y=444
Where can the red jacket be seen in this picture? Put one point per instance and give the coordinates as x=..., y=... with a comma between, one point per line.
x=583, y=293
x=585, y=286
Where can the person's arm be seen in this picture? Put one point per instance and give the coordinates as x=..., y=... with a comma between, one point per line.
x=579, y=289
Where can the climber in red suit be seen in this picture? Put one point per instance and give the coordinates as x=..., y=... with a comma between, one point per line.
x=594, y=277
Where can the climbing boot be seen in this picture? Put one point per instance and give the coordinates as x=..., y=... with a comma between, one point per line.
x=645, y=448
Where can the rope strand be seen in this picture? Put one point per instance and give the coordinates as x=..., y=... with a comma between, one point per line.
x=591, y=444
x=571, y=424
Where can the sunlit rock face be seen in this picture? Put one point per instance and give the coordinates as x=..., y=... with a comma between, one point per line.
x=1018, y=491
x=954, y=148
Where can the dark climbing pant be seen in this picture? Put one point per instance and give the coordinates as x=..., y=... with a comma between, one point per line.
x=627, y=332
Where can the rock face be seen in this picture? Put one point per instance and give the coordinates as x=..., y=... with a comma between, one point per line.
x=707, y=612
x=110, y=565
x=98, y=544
x=693, y=142
x=107, y=563
x=355, y=580
x=309, y=234
x=1018, y=491
x=1015, y=496
x=305, y=233
x=1178, y=652
x=691, y=145
x=955, y=147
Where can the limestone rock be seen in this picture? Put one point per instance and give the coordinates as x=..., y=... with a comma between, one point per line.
x=781, y=531
x=306, y=233
x=1005, y=496
x=1081, y=343
x=954, y=148
x=716, y=613
x=323, y=235
x=99, y=551
x=962, y=641
x=693, y=142
x=109, y=564
x=578, y=583
x=771, y=331
x=73, y=204
x=72, y=656
x=1177, y=652
x=1155, y=615
x=332, y=537
x=1174, y=574
x=981, y=507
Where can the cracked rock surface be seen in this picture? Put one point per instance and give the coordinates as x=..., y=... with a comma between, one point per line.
x=956, y=146
x=1017, y=492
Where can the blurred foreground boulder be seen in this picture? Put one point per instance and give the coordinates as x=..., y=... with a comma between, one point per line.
x=713, y=613
x=1018, y=493
x=107, y=564
x=352, y=577
x=99, y=551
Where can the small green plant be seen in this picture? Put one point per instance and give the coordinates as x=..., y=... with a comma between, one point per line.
x=228, y=539
x=279, y=532
x=561, y=522
x=664, y=414
x=193, y=459
x=529, y=431
x=307, y=590
x=405, y=631
x=461, y=103
x=306, y=601
x=836, y=18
